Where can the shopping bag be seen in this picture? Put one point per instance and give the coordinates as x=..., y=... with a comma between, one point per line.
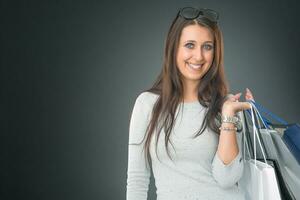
x=285, y=191
x=259, y=180
x=289, y=167
x=291, y=137
x=291, y=133
x=286, y=167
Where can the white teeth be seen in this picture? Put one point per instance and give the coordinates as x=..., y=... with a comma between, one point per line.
x=194, y=66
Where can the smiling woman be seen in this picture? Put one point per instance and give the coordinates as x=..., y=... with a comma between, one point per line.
x=205, y=161
x=194, y=57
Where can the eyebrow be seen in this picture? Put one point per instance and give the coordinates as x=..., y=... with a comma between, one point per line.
x=209, y=41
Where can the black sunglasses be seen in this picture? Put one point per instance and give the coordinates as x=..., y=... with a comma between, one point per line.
x=193, y=13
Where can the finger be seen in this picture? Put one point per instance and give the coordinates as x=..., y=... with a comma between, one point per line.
x=237, y=96
x=246, y=105
x=247, y=97
x=249, y=93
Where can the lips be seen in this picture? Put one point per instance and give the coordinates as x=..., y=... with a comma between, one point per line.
x=194, y=66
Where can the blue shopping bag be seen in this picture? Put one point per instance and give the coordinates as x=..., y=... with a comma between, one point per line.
x=291, y=135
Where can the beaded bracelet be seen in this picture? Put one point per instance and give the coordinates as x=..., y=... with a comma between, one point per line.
x=228, y=129
x=238, y=125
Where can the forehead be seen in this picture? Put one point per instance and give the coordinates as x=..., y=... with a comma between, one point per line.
x=196, y=32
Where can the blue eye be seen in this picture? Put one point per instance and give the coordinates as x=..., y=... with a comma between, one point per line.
x=208, y=47
x=188, y=45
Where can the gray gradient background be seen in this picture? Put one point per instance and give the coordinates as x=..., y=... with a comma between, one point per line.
x=70, y=73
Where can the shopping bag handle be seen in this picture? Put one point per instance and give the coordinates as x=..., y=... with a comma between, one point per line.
x=267, y=122
x=255, y=133
x=246, y=137
x=272, y=115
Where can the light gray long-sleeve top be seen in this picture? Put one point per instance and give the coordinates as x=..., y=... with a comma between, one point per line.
x=196, y=171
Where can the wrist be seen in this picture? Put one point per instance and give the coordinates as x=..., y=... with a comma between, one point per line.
x=228, y=124
x=228, y=112
x=227, y=119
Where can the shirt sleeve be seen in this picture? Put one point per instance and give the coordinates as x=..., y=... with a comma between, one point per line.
x=228, y=175
x=138, y=171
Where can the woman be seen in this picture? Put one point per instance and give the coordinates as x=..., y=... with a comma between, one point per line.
x=204, y=161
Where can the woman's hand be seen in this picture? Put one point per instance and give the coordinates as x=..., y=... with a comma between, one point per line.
x=232, y=105
x=248, y=95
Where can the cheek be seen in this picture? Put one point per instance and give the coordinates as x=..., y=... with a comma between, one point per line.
x=183, y=55
x=209, y=56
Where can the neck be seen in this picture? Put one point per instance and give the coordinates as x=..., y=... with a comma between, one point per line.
x=190, y=91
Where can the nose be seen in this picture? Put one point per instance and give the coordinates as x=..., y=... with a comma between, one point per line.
x=198, y=54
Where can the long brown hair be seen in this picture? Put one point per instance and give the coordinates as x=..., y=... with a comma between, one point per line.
x=169, y=87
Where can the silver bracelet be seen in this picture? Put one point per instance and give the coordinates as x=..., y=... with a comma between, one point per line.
x=238, y=125
x=230, y=119
x=228, y=129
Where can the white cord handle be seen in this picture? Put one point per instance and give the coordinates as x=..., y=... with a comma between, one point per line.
x=255, y=133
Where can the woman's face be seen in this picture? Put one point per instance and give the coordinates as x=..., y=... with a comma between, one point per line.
x=195, y=53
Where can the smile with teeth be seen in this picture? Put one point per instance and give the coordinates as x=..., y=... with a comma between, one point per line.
x=194, y=66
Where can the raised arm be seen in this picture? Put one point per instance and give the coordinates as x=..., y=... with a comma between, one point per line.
x=227, y=165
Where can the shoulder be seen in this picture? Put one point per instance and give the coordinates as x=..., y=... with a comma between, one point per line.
x=146, y=99
x=141, y=116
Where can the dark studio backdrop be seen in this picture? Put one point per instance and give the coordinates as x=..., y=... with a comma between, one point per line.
x=71, y=70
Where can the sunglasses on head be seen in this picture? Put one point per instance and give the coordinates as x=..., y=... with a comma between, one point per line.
x=190, y=13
